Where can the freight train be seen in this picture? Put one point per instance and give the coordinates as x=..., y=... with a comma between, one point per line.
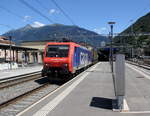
x=66, y=58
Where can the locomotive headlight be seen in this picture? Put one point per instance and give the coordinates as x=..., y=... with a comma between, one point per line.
x=46, y=64
x=65, y=65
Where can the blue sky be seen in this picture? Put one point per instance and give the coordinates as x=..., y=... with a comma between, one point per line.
x=89, y=14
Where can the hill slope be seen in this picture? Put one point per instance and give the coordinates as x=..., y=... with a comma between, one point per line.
x=55, y=31
x=142, y=25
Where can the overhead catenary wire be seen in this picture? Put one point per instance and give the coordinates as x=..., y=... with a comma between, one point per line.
x=142, y=10
x=64, y=13
x=132, y=20
x=35, y=10
x=42, y=5
x=11, y=12
x=106, y=35
x=8, y=26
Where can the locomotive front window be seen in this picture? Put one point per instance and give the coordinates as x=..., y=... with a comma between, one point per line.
x=57, y=51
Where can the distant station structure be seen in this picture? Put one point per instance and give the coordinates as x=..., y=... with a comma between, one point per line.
x=35, y=44
x=104, y=53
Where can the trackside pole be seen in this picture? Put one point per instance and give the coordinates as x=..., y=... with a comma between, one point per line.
x=120, y=80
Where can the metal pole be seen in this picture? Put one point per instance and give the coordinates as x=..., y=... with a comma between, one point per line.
x=10, y=47
x=111, y=42
x=132, y=33
x=111, y=47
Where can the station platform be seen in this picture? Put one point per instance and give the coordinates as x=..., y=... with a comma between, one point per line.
x=91, y=94
x=19, y=71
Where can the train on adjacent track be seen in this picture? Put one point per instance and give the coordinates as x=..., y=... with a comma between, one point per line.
x=66, y=58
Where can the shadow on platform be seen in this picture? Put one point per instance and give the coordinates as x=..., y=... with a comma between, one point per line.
x=44, y=80
x=100, y=102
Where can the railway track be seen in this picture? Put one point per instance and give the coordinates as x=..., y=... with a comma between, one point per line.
x=15, y=89
x=10, y=81
x=18, y=93
x=142, y=68
x=139, y=65
x=13, y=107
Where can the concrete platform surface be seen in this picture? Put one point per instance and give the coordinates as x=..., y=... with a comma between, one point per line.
x=91, y=94
x=137, y=89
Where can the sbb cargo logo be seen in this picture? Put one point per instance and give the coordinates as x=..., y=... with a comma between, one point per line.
x=83, y=58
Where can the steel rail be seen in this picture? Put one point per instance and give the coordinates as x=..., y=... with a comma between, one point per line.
x=10, y=81
x=13, y=100
x=139, y=65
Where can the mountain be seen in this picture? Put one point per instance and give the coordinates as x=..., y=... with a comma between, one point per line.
x=142, y=25
x=55, y=32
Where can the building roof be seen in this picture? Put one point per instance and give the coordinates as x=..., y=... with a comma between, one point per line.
x=4, y=40
x=14, y=47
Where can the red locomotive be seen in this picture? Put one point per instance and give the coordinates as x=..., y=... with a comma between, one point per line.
x=65, y=58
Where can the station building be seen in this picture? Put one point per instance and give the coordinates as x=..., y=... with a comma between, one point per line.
x=40, y=45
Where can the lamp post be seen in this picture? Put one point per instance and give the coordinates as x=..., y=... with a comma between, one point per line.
x=55, y=37
x=10, y=38
x=10, y=47
x=132, y=34
x=111, y=46
x=84, y=37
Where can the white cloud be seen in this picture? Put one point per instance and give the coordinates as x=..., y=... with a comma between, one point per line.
x=37, y=24
x=97, y=31
x=101, y=30
x=52, y=11
x=26, y=18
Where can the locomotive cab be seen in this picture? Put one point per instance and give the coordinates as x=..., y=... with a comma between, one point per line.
x=56, y=59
